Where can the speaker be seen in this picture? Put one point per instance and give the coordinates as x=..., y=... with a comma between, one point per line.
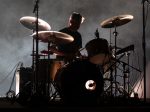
x=25, y=85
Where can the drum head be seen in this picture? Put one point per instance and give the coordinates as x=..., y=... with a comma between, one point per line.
x=73, y=79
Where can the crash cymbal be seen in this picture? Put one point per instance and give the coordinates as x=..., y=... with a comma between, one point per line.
x=30, y=22
x=54, y=37
x=116, y=21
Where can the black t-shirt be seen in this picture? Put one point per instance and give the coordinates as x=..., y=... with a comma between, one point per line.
x=71, y=47
x=72, y=79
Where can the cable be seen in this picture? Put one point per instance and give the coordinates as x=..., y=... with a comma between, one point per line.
x=8, y=74
x=15, y=74
x=11, y=93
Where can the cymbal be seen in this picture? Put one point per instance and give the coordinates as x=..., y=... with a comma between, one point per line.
x=45, y=52
x=30, y=22
x=52, y=51
x=116, y=21
x=53, y=36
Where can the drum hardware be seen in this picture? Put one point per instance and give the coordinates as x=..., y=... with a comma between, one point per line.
x=126, y=75
x=114, y=22
x=110, y=89
x=30, y=23
x=52, y=38
x=126, y=86
x=35, y=24
x=52, y=51
x=111, y=68
x=41, y=31
x=46, y=52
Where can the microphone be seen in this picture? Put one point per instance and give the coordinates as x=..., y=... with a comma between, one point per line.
x=35, y=5
x=97, y=33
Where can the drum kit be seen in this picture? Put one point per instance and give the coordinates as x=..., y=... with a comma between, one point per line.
x=45, y=34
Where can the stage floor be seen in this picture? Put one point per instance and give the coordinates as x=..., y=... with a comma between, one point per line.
x=114, y=105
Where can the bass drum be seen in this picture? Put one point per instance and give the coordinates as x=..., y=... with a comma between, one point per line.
x=80, y=82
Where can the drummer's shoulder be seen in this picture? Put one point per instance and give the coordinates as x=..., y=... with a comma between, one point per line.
x=64, y=29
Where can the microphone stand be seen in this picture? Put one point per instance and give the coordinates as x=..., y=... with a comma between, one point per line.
x=144, y=49
x=36, y=11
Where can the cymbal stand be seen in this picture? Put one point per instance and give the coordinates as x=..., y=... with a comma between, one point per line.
x=126, y=76
x=48, y=80
x=115, y=33
x=35, y=77
x=111, y=81
x=33, y=64
x=128, y=72
x=111, y=75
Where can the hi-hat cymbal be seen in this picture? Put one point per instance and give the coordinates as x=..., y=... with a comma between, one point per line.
x=116, y=21
x=30, y=22
x=54, y=37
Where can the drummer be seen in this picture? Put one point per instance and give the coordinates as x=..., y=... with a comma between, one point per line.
x=81, y=82
x=98, y=52
x=71, y=50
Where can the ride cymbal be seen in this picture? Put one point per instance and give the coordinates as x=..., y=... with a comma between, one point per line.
x=116, y=21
